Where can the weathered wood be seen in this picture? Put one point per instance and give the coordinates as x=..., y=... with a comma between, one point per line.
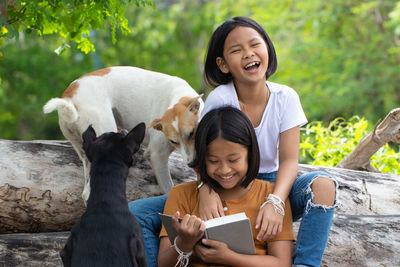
x=41, y=184
x=386, y=131
x=355, y=240
x=41, y=250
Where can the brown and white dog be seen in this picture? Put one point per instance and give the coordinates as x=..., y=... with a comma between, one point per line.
x=121, y=97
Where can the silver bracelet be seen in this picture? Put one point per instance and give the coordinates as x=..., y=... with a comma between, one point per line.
x=183, y=258
x=277, y=203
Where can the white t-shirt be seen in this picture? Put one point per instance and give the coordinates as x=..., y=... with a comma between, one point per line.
x=282, y=113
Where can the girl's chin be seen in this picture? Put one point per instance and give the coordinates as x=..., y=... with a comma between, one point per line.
x=228, y=184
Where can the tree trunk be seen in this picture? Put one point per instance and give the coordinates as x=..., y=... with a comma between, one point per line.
x=386, y=131
x=40, y=192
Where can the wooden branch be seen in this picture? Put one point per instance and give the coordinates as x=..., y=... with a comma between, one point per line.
x=386, y=131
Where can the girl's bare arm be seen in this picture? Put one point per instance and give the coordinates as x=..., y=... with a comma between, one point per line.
x=268, y=221
x=289, y=142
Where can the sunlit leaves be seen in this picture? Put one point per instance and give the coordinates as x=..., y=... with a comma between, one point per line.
x=327, y=146
x=70, y=19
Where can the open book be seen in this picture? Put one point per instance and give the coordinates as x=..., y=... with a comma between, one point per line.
x=234, y=230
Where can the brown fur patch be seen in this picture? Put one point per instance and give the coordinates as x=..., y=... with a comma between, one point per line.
x=100, y=72
x=71, y=89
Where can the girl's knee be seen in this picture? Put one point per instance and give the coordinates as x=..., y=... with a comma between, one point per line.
x=324, y=191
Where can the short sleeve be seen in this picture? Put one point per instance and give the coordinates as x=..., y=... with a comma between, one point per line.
x=213, y=101
x=179, y=199
x=293, y=114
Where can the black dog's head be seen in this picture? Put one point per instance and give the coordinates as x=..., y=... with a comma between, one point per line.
x=114, y=146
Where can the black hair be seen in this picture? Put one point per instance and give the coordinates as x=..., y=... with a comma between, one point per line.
x=213, y=76
x=232, y=125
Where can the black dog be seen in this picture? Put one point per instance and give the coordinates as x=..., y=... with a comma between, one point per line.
x=107, y=234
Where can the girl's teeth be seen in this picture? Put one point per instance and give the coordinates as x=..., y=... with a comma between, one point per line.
x=251, y=65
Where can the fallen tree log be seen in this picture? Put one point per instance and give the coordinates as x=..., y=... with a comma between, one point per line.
x=40, y=192
x=355, y=240
x=41, y=184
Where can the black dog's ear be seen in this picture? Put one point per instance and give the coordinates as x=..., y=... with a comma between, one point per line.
x=89, y=135
x=135, y=137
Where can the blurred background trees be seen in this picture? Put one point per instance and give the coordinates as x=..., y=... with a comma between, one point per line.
x=341, y=56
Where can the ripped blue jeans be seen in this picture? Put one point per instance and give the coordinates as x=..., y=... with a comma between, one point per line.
x=316, y=220
x=312, y=237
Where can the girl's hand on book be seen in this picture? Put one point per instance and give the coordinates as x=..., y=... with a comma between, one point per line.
x=190, y=230
x=270, y=221
x=210, y=205
x=212, y=251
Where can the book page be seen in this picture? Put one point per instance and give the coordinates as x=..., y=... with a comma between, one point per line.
x=226, y=219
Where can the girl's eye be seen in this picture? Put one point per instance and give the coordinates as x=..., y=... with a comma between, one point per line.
x=233, y=160
x=255, y=44
x=235, y=51
x=212, y=161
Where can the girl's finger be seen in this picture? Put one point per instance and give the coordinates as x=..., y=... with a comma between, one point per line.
x=185, y=220
x=203, y=227
x=259, y=219
x=280, y=228
x=209, y=242
x=215, y=213
x=274, y=231
x=175, y=220
x=270, y=233
x=262, y=232
x=191, y=221
x=220, y=209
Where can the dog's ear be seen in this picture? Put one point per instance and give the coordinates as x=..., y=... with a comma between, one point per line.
x=195, y=104
x=135, y=137
x=89, y=135
x=156, y=124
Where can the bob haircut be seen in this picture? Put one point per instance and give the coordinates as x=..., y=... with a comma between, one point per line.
x=213, y=76
x=232, y=125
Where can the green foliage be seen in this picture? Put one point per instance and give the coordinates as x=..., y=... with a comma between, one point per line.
x=70, y=19
x=31, y=76
x=341, y=56
x=327, y=146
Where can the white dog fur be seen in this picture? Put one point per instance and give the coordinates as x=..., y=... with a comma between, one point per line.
x=122, y=97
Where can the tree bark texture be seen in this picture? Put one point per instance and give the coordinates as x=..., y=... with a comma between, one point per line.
x=386, y=131
x=41, y=183
x=40, y=193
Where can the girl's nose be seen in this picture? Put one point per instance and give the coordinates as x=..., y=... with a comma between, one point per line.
x=248, y=53
x=224, y=168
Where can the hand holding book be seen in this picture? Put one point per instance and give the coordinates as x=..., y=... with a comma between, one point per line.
x=233, y=230
x=190, y=230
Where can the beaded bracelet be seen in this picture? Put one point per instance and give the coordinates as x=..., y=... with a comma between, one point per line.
x=277, y=203
x=183, y=258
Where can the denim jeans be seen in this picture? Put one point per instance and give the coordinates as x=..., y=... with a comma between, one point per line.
x=312, y=237
x=146, y=212
x=316, y=220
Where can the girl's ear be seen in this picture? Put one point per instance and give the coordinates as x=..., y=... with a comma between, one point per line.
x=222, y=65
